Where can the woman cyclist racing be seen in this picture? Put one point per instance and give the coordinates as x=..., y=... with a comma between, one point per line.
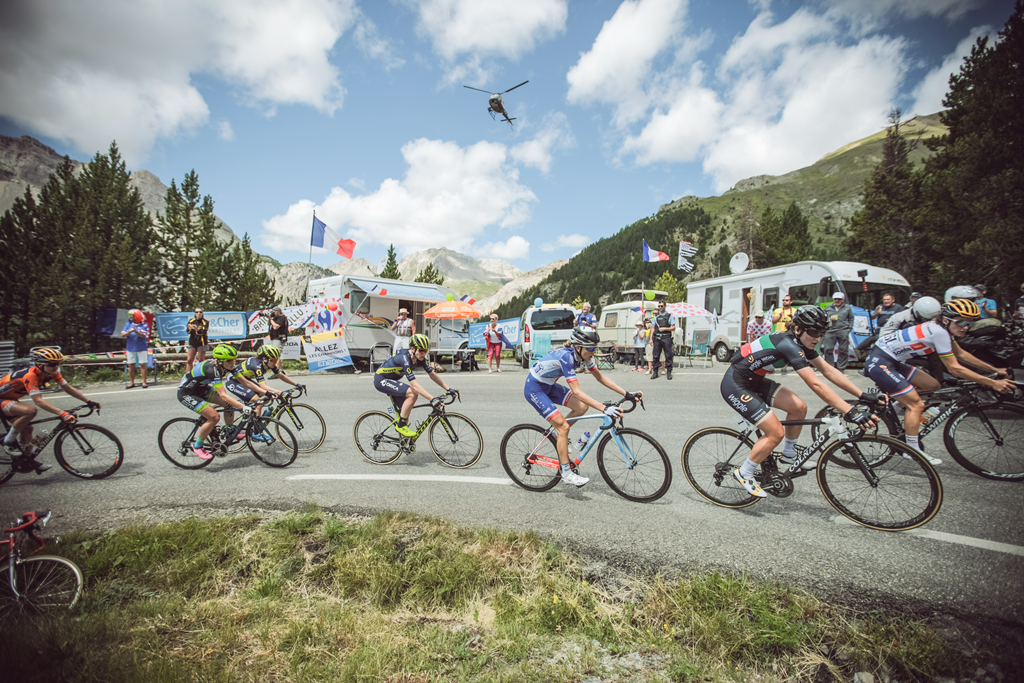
x=748, y=390
x=386, y=380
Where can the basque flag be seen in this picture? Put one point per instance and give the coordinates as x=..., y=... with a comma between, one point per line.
x=325, y=238
x=652, y=255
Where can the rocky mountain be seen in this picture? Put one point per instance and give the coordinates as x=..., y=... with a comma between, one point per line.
x=456, y=266
x=356, y=266
x=516, y=287
x=290, y=280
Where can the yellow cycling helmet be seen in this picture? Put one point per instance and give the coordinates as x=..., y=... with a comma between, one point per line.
x=420, y=342
x=269, y=351
x=961, y=309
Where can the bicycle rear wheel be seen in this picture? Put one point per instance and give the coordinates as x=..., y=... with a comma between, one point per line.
x=88, y=451
x=902, y=492
x=46, y=584
x=175, y=439
x=638, y=470
x=709, y=457
x=271, y=442
x=375, y=437
x=526, y=453
x=306, y=424
x=6, y=468
x=456, y=440
x=988, y=440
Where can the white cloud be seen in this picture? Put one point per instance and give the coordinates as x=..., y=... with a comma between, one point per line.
x=449, y=196
x=357, y=183
x=932, y=89
x=514, y=247
x=225, y=131
x=873, y=12
x=575, y=241
x=369, y=40
x=553, y=137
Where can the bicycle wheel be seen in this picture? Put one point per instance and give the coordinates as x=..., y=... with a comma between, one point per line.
x=6, y=469
x=709, y=457
x=46, y=584
x=271, y=442
x=375, y=437
x=89, y=451
x=903, y=492
x=527, y=454
x=175, y=439
x=638, y=470
x=237, y=445
x=308, y=425
x=889, y=426
x=988, y=440
x=455, y=440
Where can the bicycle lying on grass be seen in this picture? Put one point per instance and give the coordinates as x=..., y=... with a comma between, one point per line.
x=640, y=471
x=270, y=440
x=890, y=487
x=305, y=422
x=84, y=450
x=454, y=438
x=39, y=583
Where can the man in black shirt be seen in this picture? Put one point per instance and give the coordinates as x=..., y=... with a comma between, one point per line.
x=278, y=333
x=664, y=326
x=197, y=329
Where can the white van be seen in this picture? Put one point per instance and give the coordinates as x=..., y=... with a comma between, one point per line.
x=618, y=321
x=556, y=320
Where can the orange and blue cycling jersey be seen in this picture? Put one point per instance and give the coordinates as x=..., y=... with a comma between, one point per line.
x=21, y=383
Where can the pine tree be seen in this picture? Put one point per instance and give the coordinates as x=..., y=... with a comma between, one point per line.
x=786, y=237
x=430, y=274
x=245, y=283
x=391, y=267
x=188, y=246
x=21, y=242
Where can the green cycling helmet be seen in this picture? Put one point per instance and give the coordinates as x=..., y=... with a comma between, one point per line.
x=269, y=351
x=225, y=352
x=420, y=342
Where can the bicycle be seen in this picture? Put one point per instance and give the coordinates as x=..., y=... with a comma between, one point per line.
x=985, y=437
x=83, y=450
x=891, y=486
x=643, y=474
x=36, y=584
x=271, y=441
x=454, y=438
x=305, y=421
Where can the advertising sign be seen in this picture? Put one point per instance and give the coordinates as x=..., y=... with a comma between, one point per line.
x=292, y=349
x=509, y=327
x=326, y=351
x=223, y=325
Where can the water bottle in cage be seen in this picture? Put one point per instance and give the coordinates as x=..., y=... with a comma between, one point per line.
x=582, y=442
x=929, y=414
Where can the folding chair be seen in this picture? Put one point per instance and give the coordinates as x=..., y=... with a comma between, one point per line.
x=540, y=347
x=605, y=356
x=700, y=348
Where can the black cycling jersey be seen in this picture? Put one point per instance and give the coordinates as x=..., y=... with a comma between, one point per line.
x=205, y=376
x=402, y=364
x=777, y=350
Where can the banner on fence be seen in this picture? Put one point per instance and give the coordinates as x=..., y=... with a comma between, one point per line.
x=320, y=315
x=292, y=349
x=509, y=327
x=326, y=353
x=223, y=325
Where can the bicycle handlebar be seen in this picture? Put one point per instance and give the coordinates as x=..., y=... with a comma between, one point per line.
x=84, y=406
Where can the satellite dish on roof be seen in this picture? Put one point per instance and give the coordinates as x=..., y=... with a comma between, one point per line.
x=738, y=263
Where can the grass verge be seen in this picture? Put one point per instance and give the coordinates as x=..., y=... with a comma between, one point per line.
x=399, y=597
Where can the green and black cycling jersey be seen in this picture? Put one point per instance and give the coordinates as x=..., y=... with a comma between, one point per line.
x=205, y=376
x=256, y=370
x=767, y=353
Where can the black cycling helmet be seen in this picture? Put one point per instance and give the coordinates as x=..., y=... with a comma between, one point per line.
x=961, y=309
x=584, y=336
x=811, y=318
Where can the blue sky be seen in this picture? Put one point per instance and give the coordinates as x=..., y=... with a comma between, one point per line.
x=357, y=109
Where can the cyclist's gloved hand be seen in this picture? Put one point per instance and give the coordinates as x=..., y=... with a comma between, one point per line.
x=437, y=402
x=246, y=410
x=301, y=387
x=874, y=398
x=93, y=404
x=69, y=418
x=611, y=411
x=859, y=415
x=453, y=392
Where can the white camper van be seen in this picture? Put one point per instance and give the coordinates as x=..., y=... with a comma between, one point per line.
x=618, y=321
x=371, y=304
x=735, y=298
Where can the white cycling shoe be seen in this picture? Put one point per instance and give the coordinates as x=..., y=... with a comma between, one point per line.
x=749, y=484
x=573, y=479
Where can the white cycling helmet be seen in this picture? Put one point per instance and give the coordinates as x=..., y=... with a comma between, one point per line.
x=962, y=292
x=926, y=308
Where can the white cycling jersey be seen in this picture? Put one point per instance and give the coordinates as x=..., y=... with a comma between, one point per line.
x=919, y=340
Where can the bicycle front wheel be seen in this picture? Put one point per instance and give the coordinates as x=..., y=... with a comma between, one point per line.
x=308, y=425
x=638, y=470
x=45, y=583
x=530, y=457
x=709, y=458
x=901, y=492
x=988, y=440
x=376, y=439
x=455, y=440
x=175, y=439
x=890, y=425
x=271, y=442
x=88, y=451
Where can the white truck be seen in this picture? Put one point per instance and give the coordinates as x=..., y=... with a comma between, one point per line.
x=733, y=299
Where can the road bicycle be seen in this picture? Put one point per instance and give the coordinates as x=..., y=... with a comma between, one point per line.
x=38, y=583
x=984, y=430
x=891, y=486
x=454, y=438
x=306, y=422
x=84, y=450
x=270, y=440
x=637, y=469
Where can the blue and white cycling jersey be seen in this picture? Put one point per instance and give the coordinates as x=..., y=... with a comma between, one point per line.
x=557, y=364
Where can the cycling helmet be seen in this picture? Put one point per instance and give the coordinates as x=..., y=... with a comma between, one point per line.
x=811, y=319
x=584, y=336
x=225, y=352
x=962, y=292
x=926, y=308
x=421, y=342
x=269, y=351
x=961, y=309
x=41, y=357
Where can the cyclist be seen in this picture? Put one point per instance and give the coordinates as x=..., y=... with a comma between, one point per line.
x=203, y=385
x=255, y=369
x=748, y=390
x=887, y=367
x=28, y=382
x=544, y=393
x=386, y=380
x=924, y=309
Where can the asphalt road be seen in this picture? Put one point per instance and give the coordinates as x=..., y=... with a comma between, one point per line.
x=967, y=563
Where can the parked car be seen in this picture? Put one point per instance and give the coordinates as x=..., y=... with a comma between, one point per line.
x=554, y=319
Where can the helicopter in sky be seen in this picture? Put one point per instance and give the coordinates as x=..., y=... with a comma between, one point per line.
x=497, y=106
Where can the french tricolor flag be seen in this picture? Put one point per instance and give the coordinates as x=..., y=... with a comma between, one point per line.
x=325, y=238
x=652, y=255
x=469, y=300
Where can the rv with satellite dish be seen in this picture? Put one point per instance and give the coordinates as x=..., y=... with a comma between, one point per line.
x=618, y=321
x=734, y=299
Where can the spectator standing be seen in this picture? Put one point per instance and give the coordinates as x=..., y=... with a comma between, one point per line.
x=664, y=325
x=913, y=297
x=758, y=327
x=136, y=336
x=586, y=318
x=649, y=349
x=278, y=334
x=639, y=346
x=1019, y=305
x=783, y=316
x=841, y=317
x=403, y=327
x=198, y=328
x=888, y=309
x=989, y=308
x=492, y=335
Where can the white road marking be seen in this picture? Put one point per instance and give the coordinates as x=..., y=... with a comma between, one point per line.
x=154, y=388
x=405, y=477
x=952, y=538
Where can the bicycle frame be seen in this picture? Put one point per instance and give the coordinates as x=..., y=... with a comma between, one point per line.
x=13, y=555
x=61, y=427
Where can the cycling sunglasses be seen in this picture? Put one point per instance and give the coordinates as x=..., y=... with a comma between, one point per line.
x=961, y=323
x=589, y=348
